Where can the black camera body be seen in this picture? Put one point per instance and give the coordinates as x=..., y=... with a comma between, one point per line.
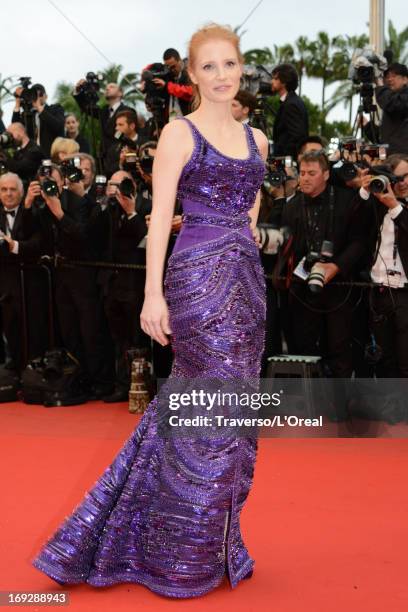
x=90, y=88
x=71, y=169
x=155, y=71
x=28, y=95
x=276, y=174
x=7, y=141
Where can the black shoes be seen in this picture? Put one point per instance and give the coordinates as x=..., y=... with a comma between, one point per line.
x=119, y=395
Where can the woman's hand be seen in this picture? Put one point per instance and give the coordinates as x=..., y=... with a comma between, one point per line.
x=256, y=236
x=154, y=318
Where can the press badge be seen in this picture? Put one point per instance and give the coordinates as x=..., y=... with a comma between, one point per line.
x=300, y=270
x=394, y=279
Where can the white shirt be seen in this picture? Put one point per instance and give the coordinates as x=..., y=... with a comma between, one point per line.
x=385, y=259
x=9, y=227
x=114, y=108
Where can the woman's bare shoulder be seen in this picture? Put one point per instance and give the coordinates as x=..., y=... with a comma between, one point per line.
x=176, y=136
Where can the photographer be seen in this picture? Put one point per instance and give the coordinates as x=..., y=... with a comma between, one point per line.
x=178, y=89
x=393, y=99
x=43, y=122
x=17, y=248
x=243, y=105
x=123, y=289
x=389, y=266
x=61, y=217
x=87, y=102
x=291, y=125
x=126, y=141
x=27, y=155
x=328, y=225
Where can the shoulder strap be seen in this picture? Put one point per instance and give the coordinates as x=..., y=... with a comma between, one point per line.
x=198, y=139
x=251, y=139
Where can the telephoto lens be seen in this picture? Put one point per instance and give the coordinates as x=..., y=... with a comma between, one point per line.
x=378, y=184
x=315, y=279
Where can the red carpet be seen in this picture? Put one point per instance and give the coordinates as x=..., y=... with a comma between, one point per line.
x=326, y=521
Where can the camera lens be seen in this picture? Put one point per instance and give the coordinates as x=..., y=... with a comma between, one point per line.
x=378, y=184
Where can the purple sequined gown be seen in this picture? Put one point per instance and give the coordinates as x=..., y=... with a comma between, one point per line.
x=165, y=513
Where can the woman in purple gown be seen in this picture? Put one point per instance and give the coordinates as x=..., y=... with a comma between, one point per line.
x=166, y=512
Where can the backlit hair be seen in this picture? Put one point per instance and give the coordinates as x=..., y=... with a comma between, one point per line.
x=211, y=31
x=63, y=145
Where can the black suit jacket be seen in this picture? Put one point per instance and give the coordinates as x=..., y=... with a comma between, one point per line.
x=26, y=161
x=291, y=126
x=52, y=122
x=394, y=124
x=122, y=235
x=68, y=236
x=29, y=251
x=350, y=229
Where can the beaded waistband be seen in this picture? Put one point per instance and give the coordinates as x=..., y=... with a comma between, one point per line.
x=220, y=220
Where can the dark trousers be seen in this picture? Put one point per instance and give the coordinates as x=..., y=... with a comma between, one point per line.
x=389, y=323
x=80, y=313
x=123, y=316
x=326, y=333
x=29, y=340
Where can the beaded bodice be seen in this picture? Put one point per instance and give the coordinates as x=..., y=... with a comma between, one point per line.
x=223, y=184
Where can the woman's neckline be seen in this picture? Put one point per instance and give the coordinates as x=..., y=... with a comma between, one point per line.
x=220, y=152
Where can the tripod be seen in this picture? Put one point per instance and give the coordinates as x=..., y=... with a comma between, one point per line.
x=368, y=106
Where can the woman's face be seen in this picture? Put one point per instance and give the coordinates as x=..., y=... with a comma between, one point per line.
x=71, y=125
x=217, y=71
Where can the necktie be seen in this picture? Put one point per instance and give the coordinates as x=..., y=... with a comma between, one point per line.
x=11, y=212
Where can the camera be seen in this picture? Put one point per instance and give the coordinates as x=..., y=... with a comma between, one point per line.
x=90, y=88
x=276, y=174
x=271, y=238
x=48, y=185
x=7, y=141
x=28, y=95
x=155, y=71
x=374, y=150
x=127, y=188
x=100, y=187
x=347, y=169
x=45, y=169
x=383, y=177
x=315, y=280
x=257, y=79
x=71, y=169
x=366, y=66
x=145, y=159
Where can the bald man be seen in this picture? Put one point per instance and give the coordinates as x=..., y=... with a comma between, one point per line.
x=27, y=155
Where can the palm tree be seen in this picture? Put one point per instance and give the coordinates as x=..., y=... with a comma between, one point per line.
x=128, y=82
x=302, y=54
x=397, y=42
x=7, y=86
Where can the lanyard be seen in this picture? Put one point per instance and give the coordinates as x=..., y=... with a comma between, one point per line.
x=307, y=222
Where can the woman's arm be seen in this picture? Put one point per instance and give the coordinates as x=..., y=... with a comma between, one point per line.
x=174, y=148
x=263, y=146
